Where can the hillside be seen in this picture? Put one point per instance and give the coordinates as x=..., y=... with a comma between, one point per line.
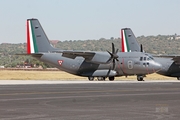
x=161, y=44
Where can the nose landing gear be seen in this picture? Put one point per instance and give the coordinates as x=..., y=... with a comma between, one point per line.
x=111, y=78
x=90, y=78
x=140, y=77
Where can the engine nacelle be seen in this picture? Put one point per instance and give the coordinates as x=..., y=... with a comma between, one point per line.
x=104, y=73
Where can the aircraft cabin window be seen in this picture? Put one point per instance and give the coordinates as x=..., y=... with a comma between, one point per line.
x=147, y=64
x=141, y=58
x=144, y=58
x=144, y=64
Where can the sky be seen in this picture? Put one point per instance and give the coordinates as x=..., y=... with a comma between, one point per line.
x=88, y=19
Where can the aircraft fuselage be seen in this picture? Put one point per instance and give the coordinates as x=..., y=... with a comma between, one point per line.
x=169, y=67
x=128, y=64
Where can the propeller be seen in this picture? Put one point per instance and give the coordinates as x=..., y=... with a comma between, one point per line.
x=113, y=59
x=114, y=56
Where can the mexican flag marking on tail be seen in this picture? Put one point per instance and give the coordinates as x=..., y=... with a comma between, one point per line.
x=125, y=45
x=31, y=39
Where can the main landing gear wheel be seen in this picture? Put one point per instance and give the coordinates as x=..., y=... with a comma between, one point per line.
x=140, y=78
x=101, y=78
x=111, y=78
x=90, y=78
x=178, y=78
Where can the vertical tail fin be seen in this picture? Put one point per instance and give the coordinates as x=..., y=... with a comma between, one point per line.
x=128, y=41
x=37, y=41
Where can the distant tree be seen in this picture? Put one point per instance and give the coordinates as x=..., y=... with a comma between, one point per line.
x=102, y=39
x=112, y=38
x=160, y=44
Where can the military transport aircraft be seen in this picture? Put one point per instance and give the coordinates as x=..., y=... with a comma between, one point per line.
x=170, y=64
x=87, y=63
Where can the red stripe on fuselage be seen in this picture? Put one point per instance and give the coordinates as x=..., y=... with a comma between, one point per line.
x=122, y=41
x=28, y=39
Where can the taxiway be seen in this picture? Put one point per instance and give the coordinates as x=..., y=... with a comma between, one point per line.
x=86, y=100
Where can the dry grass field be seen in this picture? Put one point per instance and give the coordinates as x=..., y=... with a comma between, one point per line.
x=36, y=75
x=60, y=75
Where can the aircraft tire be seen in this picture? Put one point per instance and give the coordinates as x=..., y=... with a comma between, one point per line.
x=90, y=78
x=140, y=78
x=111, y=78
x=178, y=78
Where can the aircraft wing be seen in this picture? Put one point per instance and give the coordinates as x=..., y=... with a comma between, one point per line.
x=175, y=58
x=73, y=54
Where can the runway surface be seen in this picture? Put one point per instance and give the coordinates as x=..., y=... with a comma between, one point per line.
x=90, y=101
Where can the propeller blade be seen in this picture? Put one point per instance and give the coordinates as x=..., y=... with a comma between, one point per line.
x=108, y=72
x=117, y=59
x=109, y=60
x=141, y=49
x=110, y=53
x=117, y=51
x=113, y=49
x=114, y=56
x=114, y=64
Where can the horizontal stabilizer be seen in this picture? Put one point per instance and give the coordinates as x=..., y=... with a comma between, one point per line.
x=33, y=54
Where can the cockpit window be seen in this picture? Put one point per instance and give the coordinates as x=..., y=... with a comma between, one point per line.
x=146, y=58
x=150, y=57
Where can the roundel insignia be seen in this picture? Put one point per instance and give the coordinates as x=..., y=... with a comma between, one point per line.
x=60, y=62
